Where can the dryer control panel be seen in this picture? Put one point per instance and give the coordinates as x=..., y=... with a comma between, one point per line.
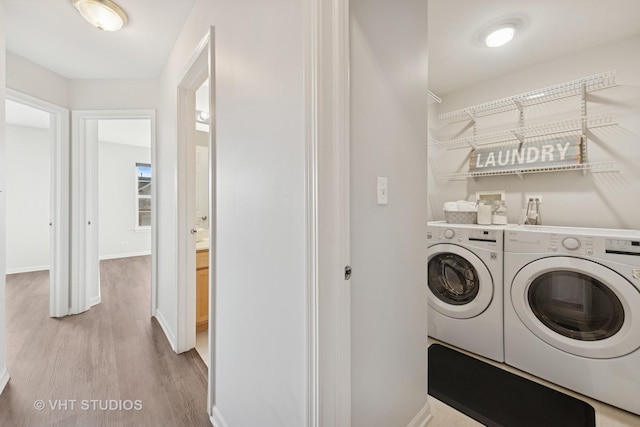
x=622, y=247
x=472, y=235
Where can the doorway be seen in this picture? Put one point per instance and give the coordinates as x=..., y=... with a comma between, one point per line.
x=190, y=222
x=113, y=210
x=202, y=249
x=38, y=194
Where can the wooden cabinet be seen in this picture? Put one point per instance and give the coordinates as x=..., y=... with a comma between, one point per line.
x=202, y=290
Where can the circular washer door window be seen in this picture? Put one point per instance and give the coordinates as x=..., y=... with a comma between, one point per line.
x=578, y=306
x=460, y=285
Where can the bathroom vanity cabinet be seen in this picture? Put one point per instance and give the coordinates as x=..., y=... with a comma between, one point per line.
x=202, y=290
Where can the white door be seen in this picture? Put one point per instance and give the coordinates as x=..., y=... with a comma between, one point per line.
x=58, y=222
x=85, y=256
x=578, y=306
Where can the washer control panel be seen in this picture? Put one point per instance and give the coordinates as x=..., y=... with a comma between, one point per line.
x=622, y=247
x=571, y=244
x=476, y=236
x=597, y=244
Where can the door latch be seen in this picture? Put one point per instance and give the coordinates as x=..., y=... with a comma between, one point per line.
x=347, y=272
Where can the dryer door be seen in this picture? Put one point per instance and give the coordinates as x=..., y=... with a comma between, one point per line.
x=578, y=306
x=460, y=285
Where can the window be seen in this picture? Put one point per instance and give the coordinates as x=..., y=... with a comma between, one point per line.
x=143, y=195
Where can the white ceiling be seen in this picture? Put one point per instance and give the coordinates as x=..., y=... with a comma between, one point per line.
x=52, y=33
x=552, y=29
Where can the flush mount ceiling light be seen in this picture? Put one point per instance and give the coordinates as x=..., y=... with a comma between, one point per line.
x=102, y=14
x=501, y=35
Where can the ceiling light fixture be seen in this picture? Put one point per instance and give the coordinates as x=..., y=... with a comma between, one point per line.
x=102, y=14
x=501, y=35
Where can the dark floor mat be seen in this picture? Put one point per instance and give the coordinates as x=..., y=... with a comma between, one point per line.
x=496, y=397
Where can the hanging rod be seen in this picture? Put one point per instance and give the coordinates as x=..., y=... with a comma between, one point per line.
x=551, y=93
x=606, y=166
x=432, y=98
x=564, y=126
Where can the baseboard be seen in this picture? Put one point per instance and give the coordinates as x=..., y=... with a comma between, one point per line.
x=4, y=380
x=165, y=328
x=125, y=255
x=27, y=269
x=423, y=417
x=217, y=420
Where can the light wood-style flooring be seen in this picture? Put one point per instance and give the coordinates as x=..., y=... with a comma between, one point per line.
x=114, y=354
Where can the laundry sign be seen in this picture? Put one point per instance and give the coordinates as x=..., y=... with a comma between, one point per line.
x=528, y=155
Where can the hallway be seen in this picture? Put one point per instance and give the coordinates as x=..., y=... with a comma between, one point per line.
x=115, y=354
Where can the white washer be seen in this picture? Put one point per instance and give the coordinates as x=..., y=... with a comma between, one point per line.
x=465, y=286
x=572, y=309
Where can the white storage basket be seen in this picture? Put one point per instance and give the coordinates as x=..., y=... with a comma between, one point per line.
x=455, y=217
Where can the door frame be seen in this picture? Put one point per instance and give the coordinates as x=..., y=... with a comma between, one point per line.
x=328, y=170
x=199, y=68
x=84, y=207
x=59, y=200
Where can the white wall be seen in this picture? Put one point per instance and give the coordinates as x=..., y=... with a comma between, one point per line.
x=28, y=198
x=32, y=79
x=260, y=308
x=113, y=94
x=4, y=374
x=569, y=198
x=117, y=200
x=388, y=251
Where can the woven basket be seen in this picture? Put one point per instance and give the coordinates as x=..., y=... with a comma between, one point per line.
x=454, y=217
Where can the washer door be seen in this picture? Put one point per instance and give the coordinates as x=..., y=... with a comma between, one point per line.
x=578, y=306
x=460, y=285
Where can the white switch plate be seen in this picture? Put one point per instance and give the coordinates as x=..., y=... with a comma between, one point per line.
x=383, y=191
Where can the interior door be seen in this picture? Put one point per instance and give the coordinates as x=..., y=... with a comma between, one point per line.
x=59, y=220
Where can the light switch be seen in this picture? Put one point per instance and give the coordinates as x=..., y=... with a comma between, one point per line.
x=383, y=191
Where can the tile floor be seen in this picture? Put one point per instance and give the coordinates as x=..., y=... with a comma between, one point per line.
x=202, y=346
x=606, y=415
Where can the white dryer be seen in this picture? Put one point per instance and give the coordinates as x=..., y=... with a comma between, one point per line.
x=465, y=286
x=572, y=309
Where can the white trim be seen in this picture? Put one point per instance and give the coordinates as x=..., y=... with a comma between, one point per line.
x=162, y=321
x=217, y=420
x=200, y=67
x=4, y=379
x=95, y=300
x=193, y=77
x=332, y=172
x=30, y=269
x=423, y=417
x=213, y=221
x=124, y=255
x=312, y=104
x=84, y=205
x=60, y=193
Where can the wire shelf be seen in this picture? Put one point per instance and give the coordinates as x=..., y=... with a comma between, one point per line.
x=606, y=166
x=535, y=131
x=551, y=93
x=432, y=98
